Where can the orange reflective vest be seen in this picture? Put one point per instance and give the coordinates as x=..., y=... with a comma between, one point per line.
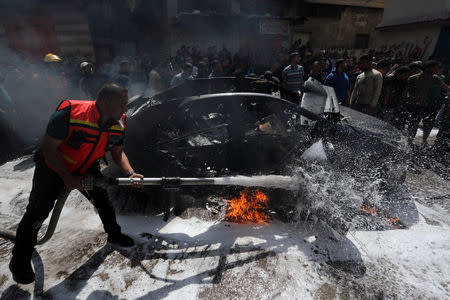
x=87, y=142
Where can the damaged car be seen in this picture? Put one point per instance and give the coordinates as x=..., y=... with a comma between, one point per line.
x=246, y=126
x=224, y=126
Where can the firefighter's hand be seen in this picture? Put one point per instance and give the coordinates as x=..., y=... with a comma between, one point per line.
x=72, y=182
x=137, y=184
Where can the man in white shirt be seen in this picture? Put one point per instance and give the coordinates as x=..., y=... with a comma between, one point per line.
x=367, y=90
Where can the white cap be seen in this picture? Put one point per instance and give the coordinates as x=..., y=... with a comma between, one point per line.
x=84, y=64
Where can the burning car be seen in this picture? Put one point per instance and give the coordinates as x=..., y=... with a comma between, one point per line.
x=228, y=126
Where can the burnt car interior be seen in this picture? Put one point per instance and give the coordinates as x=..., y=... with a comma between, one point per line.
x=226, y=132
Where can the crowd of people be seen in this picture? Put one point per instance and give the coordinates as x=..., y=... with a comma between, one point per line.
x=402, y=91
x=405, y=92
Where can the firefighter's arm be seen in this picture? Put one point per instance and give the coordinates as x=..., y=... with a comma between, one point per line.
x=54, y=158
x=121, y=160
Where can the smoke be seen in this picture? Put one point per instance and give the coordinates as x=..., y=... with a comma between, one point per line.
x=36, y=89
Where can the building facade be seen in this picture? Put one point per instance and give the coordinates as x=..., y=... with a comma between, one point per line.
x=160, y=27
x=34, y=28
x=234, y=24
x=345, y=24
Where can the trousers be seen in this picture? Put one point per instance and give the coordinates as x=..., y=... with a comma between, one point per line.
x=425, y=114
x=46, y=188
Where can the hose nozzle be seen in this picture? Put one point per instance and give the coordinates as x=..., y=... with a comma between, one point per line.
x=89, y=182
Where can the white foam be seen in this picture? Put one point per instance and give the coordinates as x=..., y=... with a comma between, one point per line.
x=315, y=153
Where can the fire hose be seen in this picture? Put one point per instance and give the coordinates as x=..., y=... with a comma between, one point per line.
x=90, y=182
x=52, y=224
x=170, y=185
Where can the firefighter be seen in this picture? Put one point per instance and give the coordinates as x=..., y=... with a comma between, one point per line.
x=55, y=85
x=79, y=133
x=50, y=57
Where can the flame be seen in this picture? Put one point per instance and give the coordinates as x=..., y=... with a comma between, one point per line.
x=248, y=208
x=391, y=221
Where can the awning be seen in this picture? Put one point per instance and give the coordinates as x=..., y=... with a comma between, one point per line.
x=440, y=18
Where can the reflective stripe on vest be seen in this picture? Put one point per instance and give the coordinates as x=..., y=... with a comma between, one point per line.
x=86, y=142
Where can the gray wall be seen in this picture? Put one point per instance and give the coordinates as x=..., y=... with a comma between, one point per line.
x=405, y=41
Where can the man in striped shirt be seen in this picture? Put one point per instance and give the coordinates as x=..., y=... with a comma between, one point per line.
x=293, y=74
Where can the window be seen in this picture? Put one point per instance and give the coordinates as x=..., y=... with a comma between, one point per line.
x=362, y=41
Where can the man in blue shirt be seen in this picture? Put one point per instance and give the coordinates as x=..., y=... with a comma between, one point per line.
x=338, y=80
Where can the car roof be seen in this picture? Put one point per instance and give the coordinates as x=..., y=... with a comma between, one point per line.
x=201, y=98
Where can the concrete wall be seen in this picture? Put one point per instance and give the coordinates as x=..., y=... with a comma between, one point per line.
x=341, y=33
x=418, y=39
x=416, y=42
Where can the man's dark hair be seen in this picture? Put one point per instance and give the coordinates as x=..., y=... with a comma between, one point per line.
x=187, y=66
x=384, y=63
x=292, y=55
x=402, y=70
x=111, y=91
x=365, y=57
x=339, y=62
x=415, y=65
x=430, y=64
